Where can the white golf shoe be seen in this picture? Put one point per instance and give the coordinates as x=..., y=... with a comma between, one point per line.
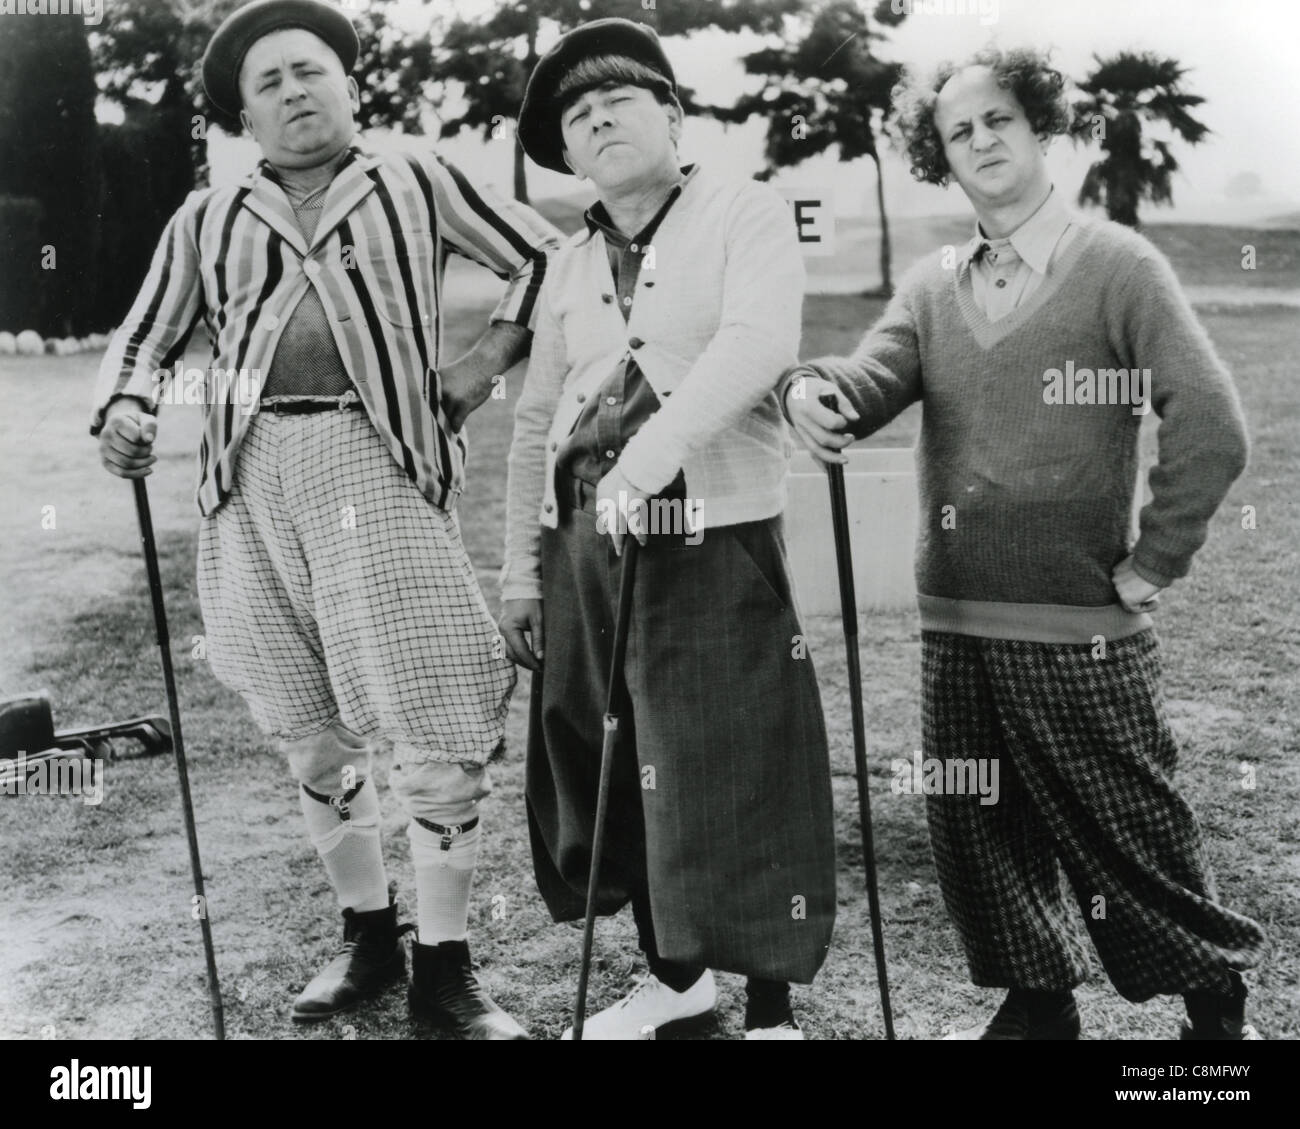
x=789, y=1030
x=648, y=1007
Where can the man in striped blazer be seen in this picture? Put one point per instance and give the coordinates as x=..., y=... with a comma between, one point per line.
x=337, y=596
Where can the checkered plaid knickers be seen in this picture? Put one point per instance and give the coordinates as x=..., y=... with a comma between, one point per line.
x=331, y=588
x=1086, y=800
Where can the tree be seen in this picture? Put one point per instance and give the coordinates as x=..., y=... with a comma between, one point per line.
x=1121, y=95
x=824, y=87
x=489, y=60
x=147, y=62
x=148, y=57
x=47, y=136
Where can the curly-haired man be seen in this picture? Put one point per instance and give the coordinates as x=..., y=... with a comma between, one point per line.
x=1035, y=351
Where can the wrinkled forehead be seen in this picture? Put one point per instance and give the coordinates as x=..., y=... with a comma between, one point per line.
x=969, y=94
x=284, y=48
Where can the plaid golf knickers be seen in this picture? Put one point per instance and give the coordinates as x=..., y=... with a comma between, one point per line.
x=1086, y=799
x=331, y=588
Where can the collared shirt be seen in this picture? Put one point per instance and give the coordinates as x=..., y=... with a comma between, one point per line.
x=235, y=258
x=626, y=400
x=307, y=362
x=1005, y=272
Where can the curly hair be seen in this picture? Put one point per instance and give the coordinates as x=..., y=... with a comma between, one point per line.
x=1027, y=73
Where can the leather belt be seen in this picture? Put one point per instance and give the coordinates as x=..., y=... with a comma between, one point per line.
x=303, y=407
x=574, y=494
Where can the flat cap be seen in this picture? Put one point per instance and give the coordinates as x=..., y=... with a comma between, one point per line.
x=539, y=127
x=246, y=25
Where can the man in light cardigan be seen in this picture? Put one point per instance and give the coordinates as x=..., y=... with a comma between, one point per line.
x=1038, y=645
x=665, y=324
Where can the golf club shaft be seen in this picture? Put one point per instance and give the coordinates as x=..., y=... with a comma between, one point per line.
x=178, y=744
x=608, y=744
x=849, y=612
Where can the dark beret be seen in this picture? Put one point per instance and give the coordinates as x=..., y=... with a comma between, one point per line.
x=539, y=128
x=245, y=26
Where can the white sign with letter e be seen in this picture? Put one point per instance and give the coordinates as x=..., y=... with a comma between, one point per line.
x=813, y=211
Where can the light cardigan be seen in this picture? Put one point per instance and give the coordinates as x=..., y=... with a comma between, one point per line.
x=714, y=324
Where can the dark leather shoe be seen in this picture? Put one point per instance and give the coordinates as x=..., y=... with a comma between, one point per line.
x=372, y=957
x=1012, y=1022
x=1218, y=1015
x=445, y=990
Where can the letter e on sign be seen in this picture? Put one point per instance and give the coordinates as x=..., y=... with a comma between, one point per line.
x=813, y=212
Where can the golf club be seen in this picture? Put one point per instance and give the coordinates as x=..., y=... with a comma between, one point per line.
x=849, y=613
x=173, y=706
x=626, y=581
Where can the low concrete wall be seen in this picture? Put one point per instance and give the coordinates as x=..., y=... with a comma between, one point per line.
x=881, y=489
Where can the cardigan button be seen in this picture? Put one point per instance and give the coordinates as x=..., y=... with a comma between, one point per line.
x=607, y=298
x=548, y=507
x=554, y=445
x=582, y=397
x=636, y=342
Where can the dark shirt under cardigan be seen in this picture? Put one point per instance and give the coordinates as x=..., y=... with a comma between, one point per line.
x=626, y=400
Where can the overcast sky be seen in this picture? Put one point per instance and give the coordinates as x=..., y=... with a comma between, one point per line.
x=1240, y=56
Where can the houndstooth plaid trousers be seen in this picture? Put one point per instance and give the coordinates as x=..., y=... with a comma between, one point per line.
x=1086, y=799
x=331, y=587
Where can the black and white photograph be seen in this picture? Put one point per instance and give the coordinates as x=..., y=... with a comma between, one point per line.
x=650, y=521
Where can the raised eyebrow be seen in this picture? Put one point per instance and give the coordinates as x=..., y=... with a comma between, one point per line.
x=987, y=113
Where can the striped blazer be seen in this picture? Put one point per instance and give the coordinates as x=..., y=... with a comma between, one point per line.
x=234, y=258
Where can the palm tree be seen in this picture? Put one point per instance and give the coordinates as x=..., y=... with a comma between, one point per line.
x=1123, y=94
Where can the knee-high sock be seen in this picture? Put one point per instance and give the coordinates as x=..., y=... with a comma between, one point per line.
x=350, y=848
x=442, y=882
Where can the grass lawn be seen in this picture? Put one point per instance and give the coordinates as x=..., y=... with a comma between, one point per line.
x=96, y=937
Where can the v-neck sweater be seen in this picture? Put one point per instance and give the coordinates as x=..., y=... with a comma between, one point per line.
x=1028, y=455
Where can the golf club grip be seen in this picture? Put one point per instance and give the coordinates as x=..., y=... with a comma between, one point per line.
x=622, y=622
x=840, y=525
x=150, y=549
x=843, y=548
